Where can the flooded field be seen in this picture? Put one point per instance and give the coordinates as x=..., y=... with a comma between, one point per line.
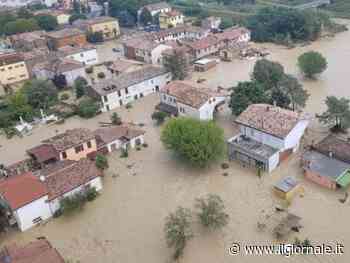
x=125, y=224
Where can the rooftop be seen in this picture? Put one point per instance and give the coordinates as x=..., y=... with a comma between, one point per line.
x=60, y=65
x=83, y=23
x=110, y=134
x=269, y=119
x=232, y=33
x=203, y=43
x=286, y=184
x=22, y=189
x=10, y=58
x=189, y=93
x=157, y=6
x=29, y=36
x=70, y=50
x=39, y=251
x=122, y=65
x=70, y=139
x=262, y=151
x=171, y=13
x=43, y=152
x=127, y=79
x=67, y=32
x=63, y=177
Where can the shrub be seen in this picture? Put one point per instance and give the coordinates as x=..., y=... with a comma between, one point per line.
x=101, y=162
x=145, y=145
x=57, y=213
x=128, y=105
x=225, y=166
x=125, y=153
x=312, y=63
x=159, y=117
x=89, y=70
x=101, y=75
x=64, y=96
x=115, y=119
x=138, y=148
x=91, y=194
x=88, y=108
x=73, y=203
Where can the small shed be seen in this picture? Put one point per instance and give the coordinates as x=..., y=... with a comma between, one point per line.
x=204, y=64
x=287, y=188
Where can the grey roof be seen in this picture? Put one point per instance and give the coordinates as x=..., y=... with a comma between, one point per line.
x=127, y=79
x=286, y=184
x=325, y=165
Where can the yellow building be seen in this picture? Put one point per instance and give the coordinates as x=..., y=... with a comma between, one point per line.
x=12, y=70
x=109, y=26
x=170, y=19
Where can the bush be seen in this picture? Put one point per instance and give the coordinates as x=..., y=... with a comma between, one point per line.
x=125, y=153
x=101, y=162
x=57, y=213
x=128, y=105
x=91, y=194
x=312, y=63
x=101, y=75
x=89, y=70
x=138, y=148
x=145, y=145
x=88, y=108
x=73, y=203
x=115, y=119
x=10, y=132
x=225, y=166
x=159, y=117
x=64, y=96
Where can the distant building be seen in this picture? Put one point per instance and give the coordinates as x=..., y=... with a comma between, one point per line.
x=328, y=163
x=108, y=26
x=130, y=86
x=170, y=19
x=181, y=98
x=66, y=37
x=69, y=68
x=36, y=251
x=87, y=55
x=73, y=145
x=268, y=135
x=155, y=9
x=206, y=46
x=287, y=188
x=29, y=41
x=21, y=3
x=120, y=66
x=31, y=199
x=211, y=22
x=12, y=70
x=61, y=16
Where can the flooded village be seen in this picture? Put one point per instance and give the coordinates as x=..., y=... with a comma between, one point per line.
x=126, y=222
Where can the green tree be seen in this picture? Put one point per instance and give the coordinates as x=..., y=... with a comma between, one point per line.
x=211, y=212
x=41, y=94
x=88, y=108
x=337, y=114
x=20, y=26
x=95, y=37
x=19, y=107
x=115, y=119
x=312, y=63
x=23, y=12
x=246, y=93
x=124, y=10
x=47, y=22
x=145, y=17
x=80, y=86
x=177, y=64
x=159, y=117
x=178, y=230
x=199, y=142
x=268, y=73
x=5, y=18
x=76, y=7
x=101, y=162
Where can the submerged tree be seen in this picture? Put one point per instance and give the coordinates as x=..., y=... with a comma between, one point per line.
x=177, y=64
x=178, y=230
x=268, y=73
x=312, y=63
x=211, y=212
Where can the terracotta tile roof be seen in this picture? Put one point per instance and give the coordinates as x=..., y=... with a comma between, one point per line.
x=84, y=23
x=128, y=79
x=203, y=43
x=172, y=13
x=29, y=36
x=121, y=65
x=339, y=147
x=108, y=135
x=70, y=138
x=67, y=32
x=22, y=189
x=39, y=251
x=65, y=177
x=60, y=65
x=191, y=94
x=69, y=50
x=269, y=119
x=232, y=33
x=44, y=152
x=10, y=58
x=157, y=6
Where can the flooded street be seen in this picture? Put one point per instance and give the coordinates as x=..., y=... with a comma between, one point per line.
x=125, y=223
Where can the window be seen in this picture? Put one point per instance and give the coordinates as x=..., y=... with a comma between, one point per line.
x=37, y=220
x=119, y=93
x=79, y=149
x=64, y=155
x=89, y=144
x=126, y=91
x=105, y=99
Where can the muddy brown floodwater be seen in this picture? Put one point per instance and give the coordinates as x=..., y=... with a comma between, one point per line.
x=125, y=224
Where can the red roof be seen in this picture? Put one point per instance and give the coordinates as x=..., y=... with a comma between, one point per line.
x=44, y=152
x=39, y=251
x=22, y=189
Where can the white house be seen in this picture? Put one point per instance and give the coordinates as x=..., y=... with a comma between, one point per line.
x=129, y=86
x=31, y=199
x=87, y=55
x=268, y=135
x=71, y=69
x=117, y=137
x=181, y=98
x=155, y=8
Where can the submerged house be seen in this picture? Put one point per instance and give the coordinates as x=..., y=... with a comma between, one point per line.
x=328, y=163
x=268, y=135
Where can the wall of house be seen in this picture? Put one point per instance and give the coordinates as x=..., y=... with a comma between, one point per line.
x=74, y=74
x=13, y=73
x=54, y=204
x=87, y=57
x=320, y=180
x=109, y=29
x=76, y=40
x=74, y=156
x=166, y=21
x=262, y=137
x=273, y=162
x=63, y=19
x=199, y=53
x=34, y=210
x=134, y=92
x=156, y=53
x=206, y=112
x=293, y=138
